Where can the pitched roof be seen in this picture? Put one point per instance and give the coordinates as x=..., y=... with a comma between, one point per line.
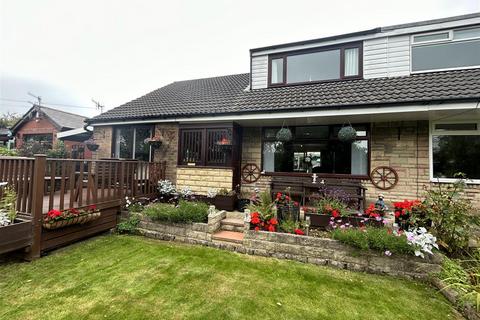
x=61, y=119
x=227, y=95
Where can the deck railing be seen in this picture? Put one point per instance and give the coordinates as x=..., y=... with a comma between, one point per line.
x=44, y=183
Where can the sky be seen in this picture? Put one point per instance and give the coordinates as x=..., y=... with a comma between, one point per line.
x=70, y=52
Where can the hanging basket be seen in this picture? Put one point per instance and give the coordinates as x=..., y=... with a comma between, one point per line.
x=347, y=134
x=284, y=135
x=92, y=146
x=68, y=222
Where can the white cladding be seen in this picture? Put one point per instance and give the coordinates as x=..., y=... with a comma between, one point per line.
x=259, y=72
x=386, y=57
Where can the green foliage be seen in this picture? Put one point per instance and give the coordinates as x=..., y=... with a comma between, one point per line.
x=58, y=151
x=7, y=120
x=328, y=204
x=30, y=148
x=7, y=152
x=379, y=239
x=464, y=278
x=450, y=215
x=263, y=204
x=185, y=212
x=8, y=202
x=289, y=226
x=128, y=225
x=226, y=192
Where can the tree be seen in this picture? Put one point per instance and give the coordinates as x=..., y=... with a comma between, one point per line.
x=7, y=120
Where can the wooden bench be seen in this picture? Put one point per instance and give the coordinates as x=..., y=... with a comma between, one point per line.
x=303, y=189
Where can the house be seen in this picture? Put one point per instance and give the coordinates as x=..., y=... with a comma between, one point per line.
x=411, y=92
x=4, y=136
x=47, y=125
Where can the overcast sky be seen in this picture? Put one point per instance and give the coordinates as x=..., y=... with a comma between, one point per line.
x=69, y=52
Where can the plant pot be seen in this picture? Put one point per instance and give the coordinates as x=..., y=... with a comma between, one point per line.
x=357, y=221
x=225, y=202
x=288, y=213
x=68, y=222
x=92, y=147
x=319, y=220
x=15, y=236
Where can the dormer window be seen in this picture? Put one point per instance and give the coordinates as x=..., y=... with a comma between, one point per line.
x=446, y=50
x=318, y=65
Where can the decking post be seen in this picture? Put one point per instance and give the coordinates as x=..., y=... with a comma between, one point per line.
x=37, y=205
x=122, y=182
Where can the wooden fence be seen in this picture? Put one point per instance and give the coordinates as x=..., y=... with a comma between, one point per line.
x=44, y=184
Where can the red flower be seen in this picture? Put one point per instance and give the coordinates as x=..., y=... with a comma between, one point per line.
x=74, y=211
x=295, y=204
x=257, y=228
x=54, y=213
x=299, y=232
x=335, y=213
x=254, y=218
x=271, y=228
x=92, y=207
x=273, y=221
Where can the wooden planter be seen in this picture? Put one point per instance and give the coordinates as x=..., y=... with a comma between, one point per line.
x=15, y=236
x=225, y=202
x=76, y=220
x=323, y=220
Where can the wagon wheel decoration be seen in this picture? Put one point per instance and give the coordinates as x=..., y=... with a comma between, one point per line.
x=250, y=173
x=384, y=177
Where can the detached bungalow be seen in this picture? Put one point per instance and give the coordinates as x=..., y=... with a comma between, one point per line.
x=411, y=93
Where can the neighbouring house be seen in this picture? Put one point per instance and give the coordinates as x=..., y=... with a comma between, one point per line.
x=47, y=125
x=5, y=136
x=411, y=92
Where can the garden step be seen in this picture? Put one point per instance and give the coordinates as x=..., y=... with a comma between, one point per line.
x=228, y=236
x=230, y=224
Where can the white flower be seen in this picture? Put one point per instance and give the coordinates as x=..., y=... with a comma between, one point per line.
x=212, y=193
x=166, y=187
x=422, y=241
x=186, y=192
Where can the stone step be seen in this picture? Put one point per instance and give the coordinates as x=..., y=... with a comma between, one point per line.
x=228, y=236
x=230, y=224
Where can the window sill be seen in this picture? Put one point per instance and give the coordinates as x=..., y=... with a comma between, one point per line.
x=453, y=180
x=204, y=167
x=319, y=175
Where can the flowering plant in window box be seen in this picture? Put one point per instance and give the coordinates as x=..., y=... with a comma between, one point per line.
x=91, y=144
x=55, y=219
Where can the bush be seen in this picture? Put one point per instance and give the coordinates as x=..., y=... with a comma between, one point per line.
x=7, y=152
x=185, y=212
x=59, y=150
x=30, y=148
x=379, y=239
x=128, y=225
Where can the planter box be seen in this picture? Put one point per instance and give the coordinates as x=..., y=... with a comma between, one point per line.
x=225, y=202
x=323, y=220
x=288, y=213
x=15, y=236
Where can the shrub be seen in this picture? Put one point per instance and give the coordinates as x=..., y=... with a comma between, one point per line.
x=7, y=152
x=128, y=225
x=379, y=239
x=291, y=226
x=185, y=212
x=30, y=148
x=58, y=151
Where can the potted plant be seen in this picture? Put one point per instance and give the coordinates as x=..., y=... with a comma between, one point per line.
x=15, y=233
x=155, y=141
x=347, y=134
x=91, y=144
x=325, y=209
x=225, y=199
x=287, y=209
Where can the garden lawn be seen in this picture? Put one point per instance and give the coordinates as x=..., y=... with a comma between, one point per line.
x=129, y=277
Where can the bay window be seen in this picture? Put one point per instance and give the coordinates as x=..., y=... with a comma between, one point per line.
x=316, y=149
x=130, y=142
x=455, y=148
x=446, y=50
x=315, y=65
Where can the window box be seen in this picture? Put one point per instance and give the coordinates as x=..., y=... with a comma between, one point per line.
x=323, y=220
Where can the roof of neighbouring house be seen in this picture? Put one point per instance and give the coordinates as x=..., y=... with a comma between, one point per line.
x=228, y=95
x=61, y=119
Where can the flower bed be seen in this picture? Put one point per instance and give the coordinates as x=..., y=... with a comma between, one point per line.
x=56, y=219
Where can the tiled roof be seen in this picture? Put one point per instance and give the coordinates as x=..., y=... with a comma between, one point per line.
x=227, y=95
x=65, y=120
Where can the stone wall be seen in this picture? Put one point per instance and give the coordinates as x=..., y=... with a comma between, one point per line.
x=323, y=251
x=200, y=179
x=104, y=138
x=169, y=150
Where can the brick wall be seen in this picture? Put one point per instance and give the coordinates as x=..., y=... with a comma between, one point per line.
x=103, y=137
x=202, y=179
x=36, y=126
x=169, y=150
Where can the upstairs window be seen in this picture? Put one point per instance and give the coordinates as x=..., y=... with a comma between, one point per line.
x=446, y=50
x=325, y=64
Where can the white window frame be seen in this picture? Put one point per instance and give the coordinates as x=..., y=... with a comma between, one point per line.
x=433, y=132
x=117, y=145
x=450, y=39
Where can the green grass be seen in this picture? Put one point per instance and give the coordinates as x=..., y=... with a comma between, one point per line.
x=129, y=277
